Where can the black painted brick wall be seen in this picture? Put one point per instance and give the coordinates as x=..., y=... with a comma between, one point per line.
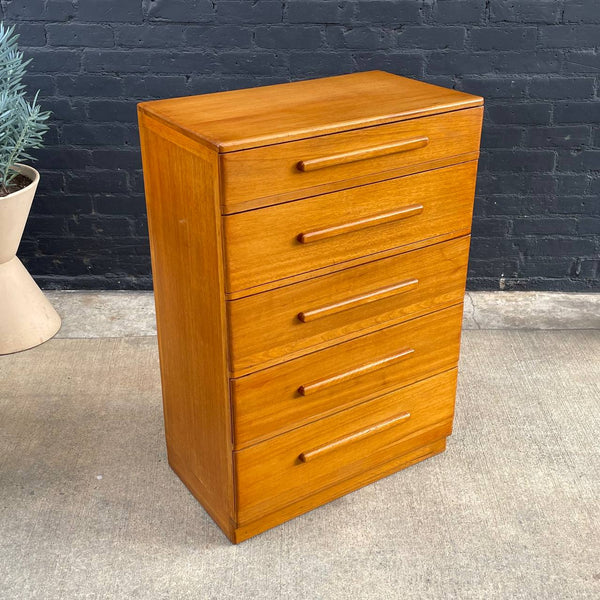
x=537, y=62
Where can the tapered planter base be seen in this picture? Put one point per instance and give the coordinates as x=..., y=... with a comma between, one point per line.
x=26, y=317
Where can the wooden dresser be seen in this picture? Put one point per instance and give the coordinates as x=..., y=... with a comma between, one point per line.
x=309, y=249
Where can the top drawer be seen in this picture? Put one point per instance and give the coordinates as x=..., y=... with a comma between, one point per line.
x=287, y=171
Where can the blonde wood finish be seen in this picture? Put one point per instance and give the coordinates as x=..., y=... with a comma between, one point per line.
x=268, y=402
x=309, y=248
x=432, y=441
x=242, y=119
x=328, y=382
x=272, y=474
x=446, y=195
x=373, y=296
x=352, y=438
x=344, y=158
x=397, y=215
x=272, y=173
x=265, y=328
x=185, y=237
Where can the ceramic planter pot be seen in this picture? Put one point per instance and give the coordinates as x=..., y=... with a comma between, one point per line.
x=26, y=317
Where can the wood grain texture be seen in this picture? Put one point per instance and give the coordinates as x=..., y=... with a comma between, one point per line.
x=239, y=119
x=267, y=403
x=272, y=474
x=264, y=328
x=255, y=237
x=187, y=264
x=272, y=173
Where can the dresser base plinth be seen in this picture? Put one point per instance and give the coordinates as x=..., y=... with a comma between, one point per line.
x=329, y=494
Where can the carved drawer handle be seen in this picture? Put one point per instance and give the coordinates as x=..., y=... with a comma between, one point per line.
x=405, y=212
x=353, y=437
x=312, y=164
x=321, y=384
x=331, y=309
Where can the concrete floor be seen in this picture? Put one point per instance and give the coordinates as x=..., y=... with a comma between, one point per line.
x=91, y=510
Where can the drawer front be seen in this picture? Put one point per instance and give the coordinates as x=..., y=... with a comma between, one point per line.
x=280, y=398
x=287, y=171
x=273, y=243
x=271, y=327
x=294, y=465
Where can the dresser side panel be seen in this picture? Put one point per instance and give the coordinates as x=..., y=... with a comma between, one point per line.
x=182, y=194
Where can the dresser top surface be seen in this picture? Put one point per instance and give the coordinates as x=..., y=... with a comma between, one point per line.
x=249, y=118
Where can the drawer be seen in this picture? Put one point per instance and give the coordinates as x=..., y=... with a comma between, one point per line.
x=299, y=463
x=280, y=398
x=281, y=324
x=271, y=244
x=291, y=170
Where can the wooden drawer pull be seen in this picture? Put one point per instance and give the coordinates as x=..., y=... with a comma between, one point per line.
x=387, y=292
x=312, y=164
x=321, y=234
x=321, y=384
x=353, y=437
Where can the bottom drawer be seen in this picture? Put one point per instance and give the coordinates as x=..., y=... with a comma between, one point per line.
x=284, y=469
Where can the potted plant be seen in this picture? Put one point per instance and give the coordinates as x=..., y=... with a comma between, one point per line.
x=26, y=317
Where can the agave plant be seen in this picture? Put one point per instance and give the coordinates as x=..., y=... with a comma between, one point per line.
x=22, y=123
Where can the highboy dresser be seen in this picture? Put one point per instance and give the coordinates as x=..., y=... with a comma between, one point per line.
x=309, y=248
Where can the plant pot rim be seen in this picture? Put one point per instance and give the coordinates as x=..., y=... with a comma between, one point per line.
x=28, y=171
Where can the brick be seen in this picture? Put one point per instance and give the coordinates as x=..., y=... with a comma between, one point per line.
x=39, y=10
x=154, y=86
x=432, y=38
x=123, y=159
x=110, y=180
x=257, y=63
x=57, y=61
x=149, y=36
x=400, y=63
x=77, y=34
x=389, y=12
x=119, y=204
x=494, y=227
x=587, y=11
x=109, y=11
x=555, y=136
x=577, y=112
x=526, y=114
x=544, y=226
x=458, y=63
x=585, y=160
x=494, y=87
x=98, y=85
x=562, y=87
x=538, y=62
x=65, y=109
x=570, y=36
x=30, y=34
x=280, y=37
x=501, y=137
x=518, y=160
x=589, y=226
x=112, y=111
x=459, y=11
x=305, y=64
x=319, y=11
x=45, y=83
x=554, y=266
x=244, y=12
x=89, y=134
x=187, y=11
x=359, y=38
x=572, y=184
x=510, y=38
x=524, y=11
x=576, y=205
x=220, y=36
x=559, y=246
x=584, y=61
